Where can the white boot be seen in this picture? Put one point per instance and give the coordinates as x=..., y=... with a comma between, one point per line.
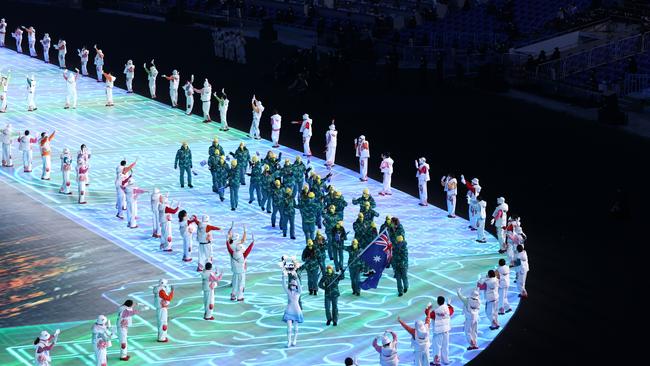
x=295, y=335
x=288, y=333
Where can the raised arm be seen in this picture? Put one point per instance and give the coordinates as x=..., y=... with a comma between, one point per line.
x=406, y=327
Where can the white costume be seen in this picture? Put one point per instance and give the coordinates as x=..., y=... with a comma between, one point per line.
x=420, y=340
x=514, y=236
x=152, y=74
x=83, y=54
x=451, y=189
x=18, y=36
x=46, y=155
x=500, y=219
x=522, y=272
x=386, y=167
x=223, y=110
x=209, y=280
x=71, y=83
x=3, y=31
x=61, y=47
x=441, y=328
x=174, y=80
x=110, y=80
x=293, y=312
x=43, y=347
x=331, y=137
x=206, y=95
x=480, y=222
x=7, y=158
x=82, y=179
x=306, y=130
x=155, y=203
x=66, y=168
x=99, y=64
x=162, y=296
x=238, y=267
x=258, y=109
x=473, y=191
x=388, y=350
x=31, y=41
x=131, y=192
x=124, y=315
x=166, y=213
x=491, y=287
x=187, y=229
x=471, y=308
x=31, y=91
x=46, y=42
x=121, y=172
x=204, y=237
x=362, y=151
x=504, y=284
x=101, y=339
x=189, y=96
x=4, y=86
x=84, y=154
x=25, y=145
x=423, y=177
x=129, y=71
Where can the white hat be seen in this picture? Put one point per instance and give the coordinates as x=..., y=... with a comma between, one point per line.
x=420, y=328
x=501, y=200
x=332, y=127
x=305, y=116
x=101, y=320
x=44, y=336
x=423, y=160
x=66, y=151
x=156, y=190
x=362, y=137
x=130, y=62
x=475, y=294
x=47, y=34
x=205, y=218
x=206, y=83
x=175, y=72
x=482, y=203
x=235, y=237
x=475, y=181
x=162, y=282
x=385, y=340
x=31, y=77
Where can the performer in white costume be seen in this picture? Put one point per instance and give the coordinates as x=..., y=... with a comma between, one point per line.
x=7, y=141
x=31, y=40
x=204, y=237
x=25, y=143
x=258, y=109
x=490, y=285
x=209, y=281
x=46, y=42
x=110, y=81
x=82, y=180
x=18, y=36
x=521, y=263
x=61, y=47
x=83, y=57
x=450, y=185
x=473, y=190
x=166, y=213
x=3, y=32
x=206, y=94
x=46, y=154
x=84, y=154
x=101, y=339
x=441, y=326
x=306, y=132
x=331, y=137
x=99, y=63
x=163, y=294
x=293, y=312
x=276, y=125
x=31, y=93
x=420, y=340
x=124, y=314
x=129, y=72
x=174, y=80
x=362, y=151
x=189, y=95
x=121, y=171
x=471, y=306
x=480, y=222
x=4, y=87
x=423, y=179
x=503, y=273
x=66, y=168
x=152, y=74
x=388, y=350
x=187, y=227
x=131, y=191
x=155, y=203
x=71, y=85
x=43, y=345
x=223, y=109
x=238, y=256
x=386, y=168
x=499, y=220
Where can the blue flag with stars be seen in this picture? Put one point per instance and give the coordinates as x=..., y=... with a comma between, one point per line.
x=377, y=256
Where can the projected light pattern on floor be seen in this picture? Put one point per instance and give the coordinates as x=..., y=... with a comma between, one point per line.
x=443, y=253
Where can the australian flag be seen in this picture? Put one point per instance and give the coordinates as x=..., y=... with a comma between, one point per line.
x=377, y=256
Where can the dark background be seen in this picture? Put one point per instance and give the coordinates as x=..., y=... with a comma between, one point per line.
x=560, y=174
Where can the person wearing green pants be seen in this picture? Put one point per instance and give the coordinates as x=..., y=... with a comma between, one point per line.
x=233, y=182
x=276, y=197
x=184, y=162
x=242, y=156
x=330, y=283
x=338, y=236
x=221, y=176
x=288, y=214
x=308, y=215
x=255, y=187
x=310, y=264
x=330, y=218
x=400, y=265
x=354, y=265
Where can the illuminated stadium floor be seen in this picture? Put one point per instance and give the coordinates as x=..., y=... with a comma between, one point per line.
x=443, y=253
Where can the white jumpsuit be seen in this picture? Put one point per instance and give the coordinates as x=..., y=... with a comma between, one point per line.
x=223, y=112
x=491, y=287
x=31, y=92
x=4, y=86
x=153, y=74
x=451, y=189
x=363, y=153
x=110, y=80
x=204, y=237
x=162, y=298
x=209, y=280
x=306, y=129
x=276, y=125
x=423, y=178
x=62, y=51
x=331, y=137
x=120, y=202
x=173, y=89
x=101, y=340
x=155, y=203
x=25, y=145
x=441, y=328
x=46, y=156
x=130, y=192
x=43, y=358
x=82, y=181
x=187, y=229
x=83, y=56
x=3, y=33
x=255, y=124
x=66, y=168
x=129, y=71
x=480, y=221
x=124, y=315
x=71, y=83
x=386, y=167
x=7, y=158
x=46, y=42
x=31, y=42
x=500, y=216
x=189, y=97
x=18, y=36
x=99, y=66
x=206, y=94
x=166, y=223
x=522, y=271
x=238, y=267
x=504, y=284
x=471, y=307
